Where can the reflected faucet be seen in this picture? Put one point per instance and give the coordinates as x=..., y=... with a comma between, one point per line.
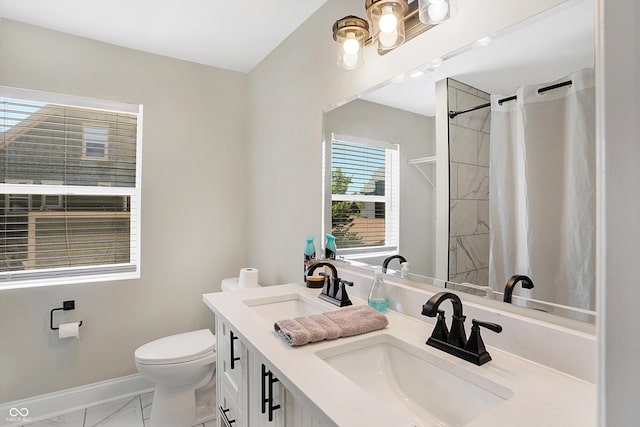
x=527, y=283
x=388, y=259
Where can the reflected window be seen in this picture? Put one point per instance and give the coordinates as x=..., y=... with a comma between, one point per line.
x=364, y=195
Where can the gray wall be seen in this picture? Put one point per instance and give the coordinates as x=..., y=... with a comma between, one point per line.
x=415, y=134
x=193, y=209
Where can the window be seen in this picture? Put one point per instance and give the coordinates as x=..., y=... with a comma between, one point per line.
x=64, y=217
x=95, y=143
x=364, y=195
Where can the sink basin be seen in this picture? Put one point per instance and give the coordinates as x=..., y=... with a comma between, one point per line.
x=286, y=306
x=427, y=389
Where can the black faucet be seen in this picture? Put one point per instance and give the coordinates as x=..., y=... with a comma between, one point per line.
x=334, y=290
x=527, y=283
x=455, y=341
x=312, y=268
x=388, y=259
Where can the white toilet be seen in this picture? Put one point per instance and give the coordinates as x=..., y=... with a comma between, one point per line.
x=179, y=365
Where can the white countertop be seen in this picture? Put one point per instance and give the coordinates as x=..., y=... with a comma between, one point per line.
x=541, y=396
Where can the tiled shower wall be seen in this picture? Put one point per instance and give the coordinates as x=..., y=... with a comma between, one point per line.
x=469, y=185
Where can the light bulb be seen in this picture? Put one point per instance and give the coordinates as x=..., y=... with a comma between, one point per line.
x=438, y=10
x=388, y=21
x=388, y=39
x=351, y=46
x=350, y=60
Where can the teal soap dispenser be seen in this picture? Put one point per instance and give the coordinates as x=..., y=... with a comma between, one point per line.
x=330, y=247
x=309, y=252
x=378, y=297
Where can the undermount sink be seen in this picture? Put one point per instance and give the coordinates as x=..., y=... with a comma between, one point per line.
x=429, y=390
x=287, y=306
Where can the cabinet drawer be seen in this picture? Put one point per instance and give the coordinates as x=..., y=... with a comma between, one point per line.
x=229, y=412
x=232, y=357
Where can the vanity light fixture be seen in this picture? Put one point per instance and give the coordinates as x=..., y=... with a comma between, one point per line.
x=436, y=11
x=387, y=21
x=391, y=23
x=350, y=33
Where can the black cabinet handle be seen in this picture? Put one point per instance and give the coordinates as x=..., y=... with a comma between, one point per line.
x=234, y=359
x=224, y=417
x=263, y=395
x=267, y=397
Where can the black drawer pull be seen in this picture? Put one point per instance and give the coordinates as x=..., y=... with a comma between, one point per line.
x=224, y=418
x=233, y=358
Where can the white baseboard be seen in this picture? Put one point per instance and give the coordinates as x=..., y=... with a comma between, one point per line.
x=61, y=402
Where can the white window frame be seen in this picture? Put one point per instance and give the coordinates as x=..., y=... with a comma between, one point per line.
x=84, y=274
x=105, y=143
x=391, y=197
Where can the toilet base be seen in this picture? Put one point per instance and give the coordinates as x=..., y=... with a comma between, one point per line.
x=176, y=406
x=173, y=407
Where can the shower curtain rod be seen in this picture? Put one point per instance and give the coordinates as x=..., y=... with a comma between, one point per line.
x=453, y=114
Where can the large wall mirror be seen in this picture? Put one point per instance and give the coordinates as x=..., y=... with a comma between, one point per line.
x=518, y=116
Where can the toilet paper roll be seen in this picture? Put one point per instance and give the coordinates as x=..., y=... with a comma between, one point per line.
x=248, y=277
x=69, y=330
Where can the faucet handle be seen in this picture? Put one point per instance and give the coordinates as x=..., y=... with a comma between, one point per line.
x=440, y=331
x=341, y=293
x=475, y=344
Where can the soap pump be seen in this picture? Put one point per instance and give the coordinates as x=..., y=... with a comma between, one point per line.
x=404, y=272
x=378, y=297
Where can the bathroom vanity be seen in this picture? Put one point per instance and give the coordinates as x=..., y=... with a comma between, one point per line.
x=383, y=378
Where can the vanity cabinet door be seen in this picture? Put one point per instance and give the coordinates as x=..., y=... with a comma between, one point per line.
x=229, y=413
x=231, y=373
x=267, y=400
x=290, y=411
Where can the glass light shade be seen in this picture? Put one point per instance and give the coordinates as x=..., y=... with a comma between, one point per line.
x=436, y=11
x=387, y=22
x=350, y=34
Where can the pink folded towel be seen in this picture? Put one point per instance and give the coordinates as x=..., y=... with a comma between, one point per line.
x=345, y=322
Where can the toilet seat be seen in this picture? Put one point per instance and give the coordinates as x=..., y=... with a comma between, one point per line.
x=179, y=348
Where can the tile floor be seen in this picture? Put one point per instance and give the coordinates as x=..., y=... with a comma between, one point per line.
x=126, y=412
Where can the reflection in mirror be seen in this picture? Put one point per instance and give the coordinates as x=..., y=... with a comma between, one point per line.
x=372, y=216
x=496, y=229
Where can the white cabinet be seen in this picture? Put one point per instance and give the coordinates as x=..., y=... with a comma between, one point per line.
x=267, y=396
x=250, y=393
x=231, y=376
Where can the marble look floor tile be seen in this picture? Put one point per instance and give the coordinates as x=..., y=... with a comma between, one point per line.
x=146, y=401
x=72, y=419
x=125, y=412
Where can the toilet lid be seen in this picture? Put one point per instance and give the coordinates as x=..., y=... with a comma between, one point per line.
x=177, y=348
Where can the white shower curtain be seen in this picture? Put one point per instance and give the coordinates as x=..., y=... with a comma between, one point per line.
x=542, y=191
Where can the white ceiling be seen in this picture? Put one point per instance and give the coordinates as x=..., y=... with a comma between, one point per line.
x=542, y=49
x=230, y=34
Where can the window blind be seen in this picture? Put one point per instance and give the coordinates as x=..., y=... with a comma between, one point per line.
x=69, y=189
x=364, y=195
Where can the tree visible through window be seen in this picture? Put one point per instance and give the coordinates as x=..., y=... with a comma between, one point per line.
x=364, y=194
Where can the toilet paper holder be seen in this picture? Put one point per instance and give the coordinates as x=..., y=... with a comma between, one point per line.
x=66, y=306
